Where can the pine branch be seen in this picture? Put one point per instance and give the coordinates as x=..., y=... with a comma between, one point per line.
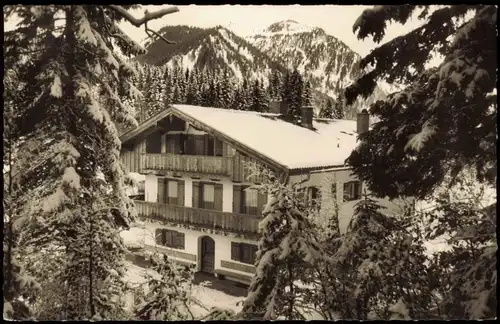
x=148, y=16
x=148, y=31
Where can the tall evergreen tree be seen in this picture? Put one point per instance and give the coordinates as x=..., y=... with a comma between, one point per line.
x=225, y=90
x=274, y=86
x=239, y=102
x=441, y=126
x=260, y=101
x=69, y=146
x=455, y=99
x=327, y=110
x=338, y=109
x=296, y=85
x=287, y=246
x=307, y=95
x=286, y=90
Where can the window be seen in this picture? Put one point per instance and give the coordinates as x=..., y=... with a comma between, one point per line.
x=170, y=238
x=314, y=196
x=173, y=193
x=218, y=147
x=208, y=196
x=251, y=204
x=243, y=252
x=210, y=145
x=352, y=190
x=153, y=143
x=199, y=143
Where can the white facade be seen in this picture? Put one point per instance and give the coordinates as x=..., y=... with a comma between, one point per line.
x=324, y=181
x=192, y=238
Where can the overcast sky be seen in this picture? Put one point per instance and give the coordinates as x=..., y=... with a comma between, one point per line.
x=244, y=20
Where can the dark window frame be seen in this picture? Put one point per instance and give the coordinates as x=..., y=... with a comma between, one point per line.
x=352, y=190
x=172, y=239
x=244, y=252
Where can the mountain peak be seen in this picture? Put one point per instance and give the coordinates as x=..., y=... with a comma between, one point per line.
x=289, y=27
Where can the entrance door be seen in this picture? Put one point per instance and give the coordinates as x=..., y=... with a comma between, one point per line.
x=207, y=254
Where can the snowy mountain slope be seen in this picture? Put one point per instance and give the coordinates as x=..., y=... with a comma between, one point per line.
x=213, y=48
x=328, y=63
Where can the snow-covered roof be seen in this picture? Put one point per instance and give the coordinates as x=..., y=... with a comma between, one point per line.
x=290, y=145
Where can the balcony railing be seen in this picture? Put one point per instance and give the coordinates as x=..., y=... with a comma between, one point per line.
x=188, y=163
x=213, y=219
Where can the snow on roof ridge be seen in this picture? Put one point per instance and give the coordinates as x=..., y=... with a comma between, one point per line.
x=285, y=143
x=250, y=112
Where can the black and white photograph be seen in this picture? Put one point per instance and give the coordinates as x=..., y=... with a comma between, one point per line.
x=249, y=162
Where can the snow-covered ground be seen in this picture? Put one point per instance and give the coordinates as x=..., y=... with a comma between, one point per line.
x=207, y=296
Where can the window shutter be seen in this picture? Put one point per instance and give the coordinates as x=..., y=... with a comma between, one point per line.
x=261, y=202
x=237, y=198
x=170, y=143
x=218, y=196
x=162, y=193
x=191, y=145
x=218, y=147
x=196, y=194
x=177, y=145
x=200, y=144
x=359, y=188
x=235, y=251
x=180, y=192
x=254, y=249
x=158, y=236
x=347, y=194
x=182, y=143
x=180, y=242
x=170, y=238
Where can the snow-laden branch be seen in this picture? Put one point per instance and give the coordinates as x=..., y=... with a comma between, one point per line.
x=148, y=31
x=148, y=16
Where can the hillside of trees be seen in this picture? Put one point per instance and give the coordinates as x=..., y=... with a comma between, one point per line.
x=162, y=86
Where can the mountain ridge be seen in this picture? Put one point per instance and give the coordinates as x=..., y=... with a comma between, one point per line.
x=328, y=63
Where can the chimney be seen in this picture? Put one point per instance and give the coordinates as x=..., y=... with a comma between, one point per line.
x=306, y=116
x=277, y=107
x=362, y=122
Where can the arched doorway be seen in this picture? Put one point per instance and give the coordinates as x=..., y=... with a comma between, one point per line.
x=207, y=249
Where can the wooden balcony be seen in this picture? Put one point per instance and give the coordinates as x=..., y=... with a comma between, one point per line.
x=210, y=219
x=217, y=165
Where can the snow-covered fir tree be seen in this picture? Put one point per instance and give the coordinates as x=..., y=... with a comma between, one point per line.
x=69, y=148
x=338, y=109
x=446, y=129
x=307, y=94
x=19, y=288
x=287, y=246
x=168, y=293
x=326, y=110
x=259, y=99
x=369, y=266
x=296, y=87
x=462, y=109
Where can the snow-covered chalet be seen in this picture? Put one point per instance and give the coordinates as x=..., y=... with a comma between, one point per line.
x=196, y=181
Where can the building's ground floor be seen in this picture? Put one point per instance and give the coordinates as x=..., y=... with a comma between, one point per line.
x=225, y=256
